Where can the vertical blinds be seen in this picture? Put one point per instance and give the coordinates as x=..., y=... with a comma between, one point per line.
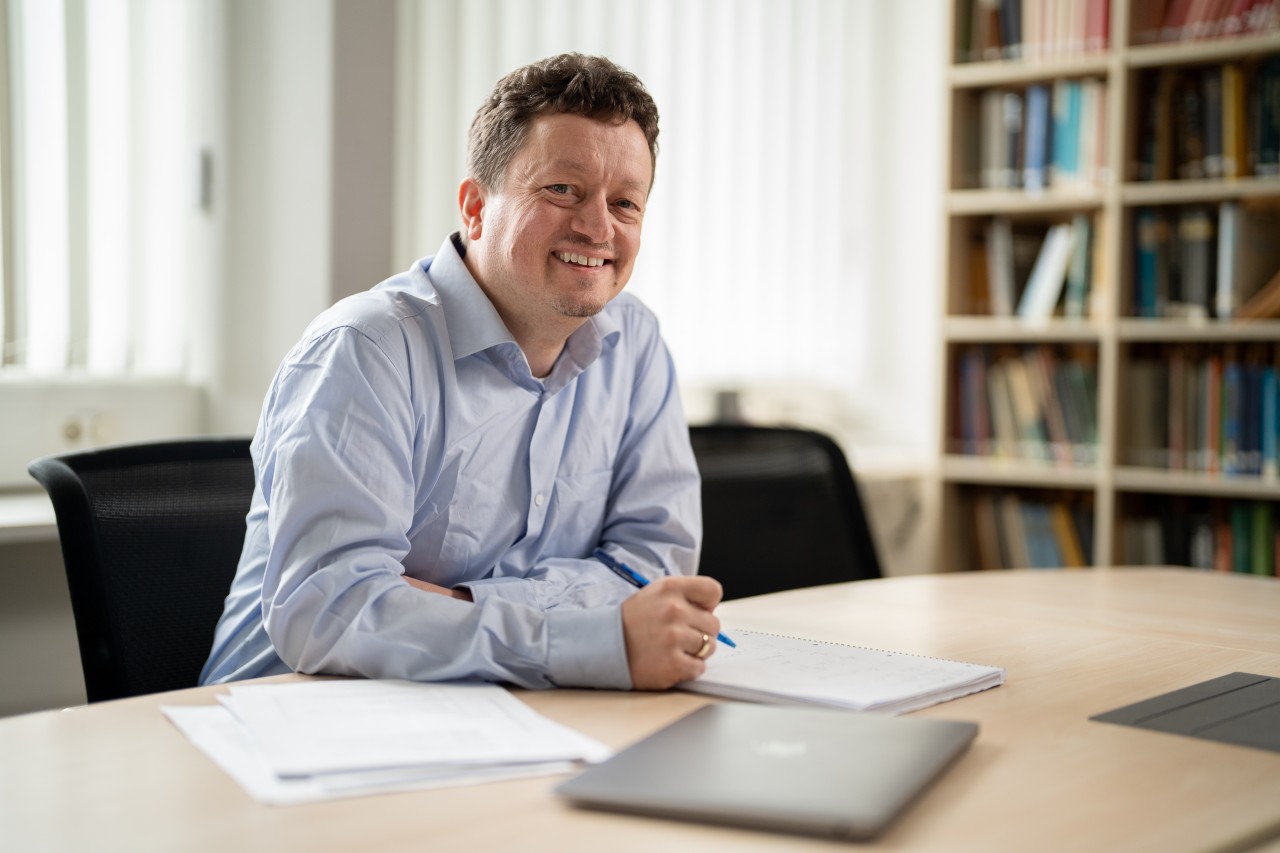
x=99, y=186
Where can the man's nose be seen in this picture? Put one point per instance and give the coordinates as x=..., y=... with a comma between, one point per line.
x=591, y=220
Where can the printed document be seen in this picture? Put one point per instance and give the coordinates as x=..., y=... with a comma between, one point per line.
x=301, y=742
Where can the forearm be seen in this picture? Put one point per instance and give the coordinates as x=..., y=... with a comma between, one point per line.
x=397, y=630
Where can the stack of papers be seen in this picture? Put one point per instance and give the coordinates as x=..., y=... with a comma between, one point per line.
x=318, y=740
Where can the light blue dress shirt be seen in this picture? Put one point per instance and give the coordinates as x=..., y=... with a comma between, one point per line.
x=406, y=435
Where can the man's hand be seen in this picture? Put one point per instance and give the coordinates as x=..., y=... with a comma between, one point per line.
x=663, y=625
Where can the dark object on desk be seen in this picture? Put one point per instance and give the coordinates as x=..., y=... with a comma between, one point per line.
x=1240, y=708
x=151, y=535
x=807, y=770
x=780, y=510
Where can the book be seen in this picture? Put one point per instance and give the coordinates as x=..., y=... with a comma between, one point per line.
x=1064, y=530
x=1036, y=138
x=1004, y=427
x=1000, y=266
x=1028, y=414
x=1232, y=411
x=1080, y=268
x=1188, y=128
x=1097, y=25
x=1042, y=542
x=1262, y=539
x=1013, y=532
x=1040, y=364
x=793, y=670
x=1266, y=125
x=986, y=532
x=1197, y=266
x=1200, y=545
x=1010, y=16
x=1093, y=132
x=1211, y=87
x=1241, y=537
x=1151, y=252
x=1270, y=421
x=1064, y=166
x=1248, y=258
x=1044, y=286
x=1235, y=162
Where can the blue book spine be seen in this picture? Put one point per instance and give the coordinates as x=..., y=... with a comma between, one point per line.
x=1251, y=420
x=1147, y=248
x=1270, y=421
x=1042, y=545
x=1074, y=125
x=1036, y=138
x=1231, y=406
x=1061, y=117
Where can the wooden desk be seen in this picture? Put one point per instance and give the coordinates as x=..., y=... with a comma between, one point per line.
x=1040, y=777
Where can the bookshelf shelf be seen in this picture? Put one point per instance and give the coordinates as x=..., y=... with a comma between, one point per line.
x=1159, y=152
x=972, y=75
x=1154, y=480
x=977, y=202
x=1200, y=52
x=1183, y=331
x=1017, y=472
x=1016, y=330
x=1189, y=192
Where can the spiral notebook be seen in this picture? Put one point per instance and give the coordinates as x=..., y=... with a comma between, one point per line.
x=792, y=670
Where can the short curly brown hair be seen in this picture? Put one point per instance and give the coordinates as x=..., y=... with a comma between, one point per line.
x=591, y=86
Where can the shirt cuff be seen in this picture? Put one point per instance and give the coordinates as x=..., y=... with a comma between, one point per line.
x=513, y=589
x=585, y=648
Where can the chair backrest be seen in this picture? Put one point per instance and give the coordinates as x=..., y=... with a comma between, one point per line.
x=151, y=535
x=780, y=510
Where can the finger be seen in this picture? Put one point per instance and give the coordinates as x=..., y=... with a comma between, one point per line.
x=706, y=644
x=702, y=591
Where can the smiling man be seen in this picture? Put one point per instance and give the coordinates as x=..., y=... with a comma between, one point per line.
x=438, y=457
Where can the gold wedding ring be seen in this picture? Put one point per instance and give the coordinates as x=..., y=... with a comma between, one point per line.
x=707, y=642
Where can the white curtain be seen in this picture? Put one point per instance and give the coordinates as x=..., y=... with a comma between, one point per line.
x=755, y=244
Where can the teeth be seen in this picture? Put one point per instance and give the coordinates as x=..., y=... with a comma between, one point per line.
x=580, y=260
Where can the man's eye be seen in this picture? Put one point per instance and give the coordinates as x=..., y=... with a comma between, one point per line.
x=627, y=203
x=559, y=189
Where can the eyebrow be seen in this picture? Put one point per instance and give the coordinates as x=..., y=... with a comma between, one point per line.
x=578, y=166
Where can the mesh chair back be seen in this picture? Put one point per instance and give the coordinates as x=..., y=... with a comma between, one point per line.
x=780, y=510
x=151, y=535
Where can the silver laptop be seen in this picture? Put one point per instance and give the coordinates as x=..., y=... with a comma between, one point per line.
x=788, y=768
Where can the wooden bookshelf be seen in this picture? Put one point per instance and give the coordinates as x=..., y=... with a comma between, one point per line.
x=1166, y=133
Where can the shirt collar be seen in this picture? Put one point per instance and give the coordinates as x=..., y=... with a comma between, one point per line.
x=475, y=325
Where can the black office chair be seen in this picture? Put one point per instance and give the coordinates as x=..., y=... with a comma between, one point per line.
x=151, y=536
x=780, y=510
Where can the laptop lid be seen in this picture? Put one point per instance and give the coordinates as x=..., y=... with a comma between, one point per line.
x=795, y=769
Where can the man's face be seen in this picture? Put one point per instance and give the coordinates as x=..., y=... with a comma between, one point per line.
x=559, y=238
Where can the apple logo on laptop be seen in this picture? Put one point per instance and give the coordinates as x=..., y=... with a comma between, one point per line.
x=780, y=748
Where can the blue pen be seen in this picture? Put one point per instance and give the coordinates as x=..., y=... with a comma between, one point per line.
x=634, y=578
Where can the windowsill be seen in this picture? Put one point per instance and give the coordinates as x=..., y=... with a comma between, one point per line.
x=26, y=517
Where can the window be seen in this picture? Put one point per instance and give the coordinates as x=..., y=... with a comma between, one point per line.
x=103, y=189
x=104, y=182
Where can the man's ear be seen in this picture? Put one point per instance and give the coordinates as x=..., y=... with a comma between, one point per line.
x=471, y=205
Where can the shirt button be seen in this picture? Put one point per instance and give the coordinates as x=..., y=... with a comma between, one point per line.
x=538, y=499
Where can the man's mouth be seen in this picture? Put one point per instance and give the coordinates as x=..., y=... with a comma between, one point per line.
x=580, y=260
